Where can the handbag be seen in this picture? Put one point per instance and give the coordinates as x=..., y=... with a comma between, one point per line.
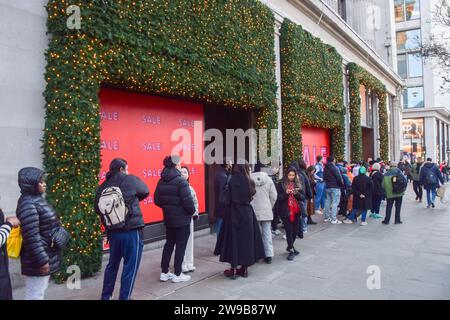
x=59, y=238
x=14, y=243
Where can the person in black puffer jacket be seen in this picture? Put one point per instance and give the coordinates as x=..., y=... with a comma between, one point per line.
x=173, y=195
x=38, y=220
x=125, y=242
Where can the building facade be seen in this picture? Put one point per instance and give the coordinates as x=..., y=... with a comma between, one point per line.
x=426, y=115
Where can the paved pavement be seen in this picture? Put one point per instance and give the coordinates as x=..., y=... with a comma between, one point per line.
x=413, y=260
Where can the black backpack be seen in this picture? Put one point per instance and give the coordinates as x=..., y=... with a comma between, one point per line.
x=431, y=178
x=225, y=194
x=399, y=183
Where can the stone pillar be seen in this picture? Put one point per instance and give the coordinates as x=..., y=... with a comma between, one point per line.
x=278, y=23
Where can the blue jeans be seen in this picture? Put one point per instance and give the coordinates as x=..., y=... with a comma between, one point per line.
x=218, y=226
x=352, y=215
x=127, y=245
x=303, y=225
x=319, y=200
x=431, y=195
x=333, y=197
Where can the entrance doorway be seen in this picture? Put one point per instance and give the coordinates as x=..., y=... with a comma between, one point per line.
x=368, y=143
x=222, y=118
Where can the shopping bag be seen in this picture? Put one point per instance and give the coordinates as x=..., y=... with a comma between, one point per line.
x=350, y=203
x=441, y=193
x=14, y=243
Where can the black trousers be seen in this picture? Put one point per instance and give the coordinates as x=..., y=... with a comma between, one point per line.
x=291, y=230
x=343, y=202
x=276, y=219
x=390, y=205
x=175, y=237
x=418, y=189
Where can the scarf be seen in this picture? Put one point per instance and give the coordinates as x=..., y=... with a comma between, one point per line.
x=294, y=208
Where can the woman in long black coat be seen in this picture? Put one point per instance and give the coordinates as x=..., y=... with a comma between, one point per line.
x=240, y=242
x=362, y=190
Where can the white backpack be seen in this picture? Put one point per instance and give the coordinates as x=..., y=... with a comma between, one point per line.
x=112, y=208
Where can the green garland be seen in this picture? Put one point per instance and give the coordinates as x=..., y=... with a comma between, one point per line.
x=311, y=89
x=218, y=52
x=359, y=76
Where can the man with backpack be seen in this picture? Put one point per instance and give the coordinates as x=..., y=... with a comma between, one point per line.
x=430, y=176
x=394, y=184
x=117, y=202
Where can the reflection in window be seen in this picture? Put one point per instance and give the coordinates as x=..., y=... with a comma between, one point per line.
x=406, y=10
x=415, y=68
x=401, y=66
x=399, y=10
x=408, y=40
x=413, y=97
x=412, y=9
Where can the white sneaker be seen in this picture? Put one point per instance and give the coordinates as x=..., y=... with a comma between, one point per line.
x=166, y=276
x=189, y=268
x=363, y=223
x=181, y=278
x=284, y=237
x=318, y=212
x=277, y=232
x=336, y=222
x=326, y=220
x=348, y=221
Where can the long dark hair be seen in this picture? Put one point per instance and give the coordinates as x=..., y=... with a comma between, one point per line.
x=286, y=180
x=115, y=166
x=244, y=169
x=302, y=164
x=309, y=172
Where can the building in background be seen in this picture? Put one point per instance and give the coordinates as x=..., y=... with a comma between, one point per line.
x=426, y=114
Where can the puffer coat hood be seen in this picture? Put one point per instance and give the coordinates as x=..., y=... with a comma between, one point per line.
x=28, y=180
x=170, y=173
x=265, y=197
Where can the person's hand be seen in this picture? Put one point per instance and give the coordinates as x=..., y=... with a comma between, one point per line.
x=13, y=221
x=45, y=269
x=195, y=216
x=362, y=196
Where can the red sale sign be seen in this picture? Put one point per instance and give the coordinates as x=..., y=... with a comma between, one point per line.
x=316, y=141
x=139, y=128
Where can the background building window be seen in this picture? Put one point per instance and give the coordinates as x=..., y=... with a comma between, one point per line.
x=415, y=67
x=401, y=66
x=409, y=65
x=413, y=97
x=413, y=137
x=409, y=40
x=406, y=10
x=412, y=9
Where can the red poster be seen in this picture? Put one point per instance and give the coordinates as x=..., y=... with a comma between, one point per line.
x=138, y=128
x=316, y=141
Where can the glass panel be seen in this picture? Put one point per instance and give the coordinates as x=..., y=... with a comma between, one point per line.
x=408, y=40
x=413, y=97
x=401, y=65
x=413, y=137
x=415, y=65
x=399, y=10
x=412, y=9
x=363, y=106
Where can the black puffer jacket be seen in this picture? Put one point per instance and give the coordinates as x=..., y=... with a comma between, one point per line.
x=38, y=219
x=282, y=205
x=173, y=195
x=133, y=190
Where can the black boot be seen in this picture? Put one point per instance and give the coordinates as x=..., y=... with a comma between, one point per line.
x=311, y=221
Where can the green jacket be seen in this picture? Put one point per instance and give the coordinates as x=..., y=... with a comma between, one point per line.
x=414, y=173
x=387, y=184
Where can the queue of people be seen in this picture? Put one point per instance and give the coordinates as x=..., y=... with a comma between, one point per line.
x=248, y=207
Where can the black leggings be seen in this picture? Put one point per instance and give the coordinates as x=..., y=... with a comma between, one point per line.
x=175, y=237
x=291, y=230
x=418, y=189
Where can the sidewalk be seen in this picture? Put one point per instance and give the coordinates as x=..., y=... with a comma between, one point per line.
x=414, y=259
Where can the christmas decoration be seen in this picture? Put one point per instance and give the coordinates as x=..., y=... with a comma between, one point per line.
x=311, y=90
x=359, y=76
x=214, y=52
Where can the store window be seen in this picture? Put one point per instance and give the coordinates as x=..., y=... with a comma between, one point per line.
x=406, y=10
x=413, y=137
x=409, y=40
x=410, y=65
x=413, y=97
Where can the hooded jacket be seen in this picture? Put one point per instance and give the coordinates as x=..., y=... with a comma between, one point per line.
x=133, y=190
x=265, y=197
x=173, y=195
x=38, y=219
x=429, y=168
x=332, y=177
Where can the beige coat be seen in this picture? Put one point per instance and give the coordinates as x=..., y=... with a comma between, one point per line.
x=265, y=197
